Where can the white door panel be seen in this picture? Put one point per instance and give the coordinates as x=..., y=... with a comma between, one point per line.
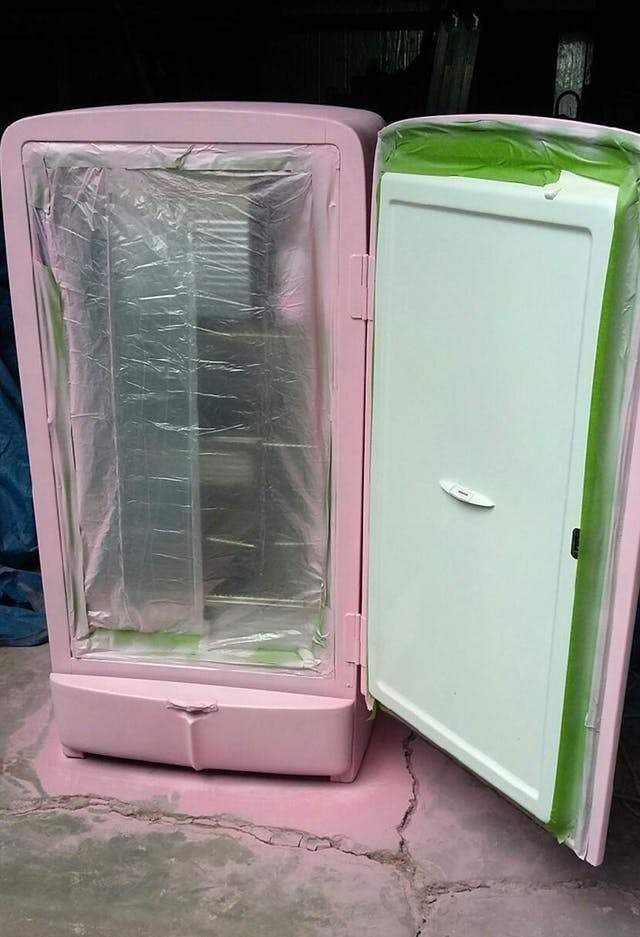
x=487, y=305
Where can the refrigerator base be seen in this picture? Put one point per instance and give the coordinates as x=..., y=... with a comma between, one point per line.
x=209, y=727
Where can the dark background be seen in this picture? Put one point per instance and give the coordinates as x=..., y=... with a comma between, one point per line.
x=396, y=57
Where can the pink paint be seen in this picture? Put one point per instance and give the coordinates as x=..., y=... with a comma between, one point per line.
x=617, y=661
x=366, y=812
x=123, y=718
x=169, y=713
x=224, y=727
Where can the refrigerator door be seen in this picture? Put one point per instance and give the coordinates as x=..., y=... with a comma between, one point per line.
x=488, y=301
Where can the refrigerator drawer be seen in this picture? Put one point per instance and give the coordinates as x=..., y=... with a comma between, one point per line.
x=227, y=728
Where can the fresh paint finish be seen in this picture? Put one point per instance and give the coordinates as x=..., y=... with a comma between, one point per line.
x=347, y=137
x=487, y=306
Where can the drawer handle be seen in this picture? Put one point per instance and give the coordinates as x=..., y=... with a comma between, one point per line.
x=192, y=707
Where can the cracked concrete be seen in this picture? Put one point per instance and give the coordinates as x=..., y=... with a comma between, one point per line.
x=416, y=847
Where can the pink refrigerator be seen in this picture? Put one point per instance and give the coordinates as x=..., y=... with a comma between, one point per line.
x=325, y=415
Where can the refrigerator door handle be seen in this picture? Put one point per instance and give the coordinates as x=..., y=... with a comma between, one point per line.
x=467, y=495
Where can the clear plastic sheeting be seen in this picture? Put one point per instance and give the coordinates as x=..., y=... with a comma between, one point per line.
x=184, y=298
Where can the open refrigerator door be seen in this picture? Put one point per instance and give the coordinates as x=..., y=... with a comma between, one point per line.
x=502, y=559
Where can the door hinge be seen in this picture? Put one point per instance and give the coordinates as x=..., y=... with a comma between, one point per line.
x=359, y=306
x=354, y=638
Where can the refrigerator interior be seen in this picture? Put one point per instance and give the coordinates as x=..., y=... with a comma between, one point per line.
x=184, y=297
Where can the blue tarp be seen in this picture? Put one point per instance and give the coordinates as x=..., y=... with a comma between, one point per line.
x=22, y=620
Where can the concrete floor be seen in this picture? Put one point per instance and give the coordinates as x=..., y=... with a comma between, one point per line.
x=416, y=846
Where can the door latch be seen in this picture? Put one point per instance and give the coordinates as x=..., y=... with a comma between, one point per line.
x=575, y=542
